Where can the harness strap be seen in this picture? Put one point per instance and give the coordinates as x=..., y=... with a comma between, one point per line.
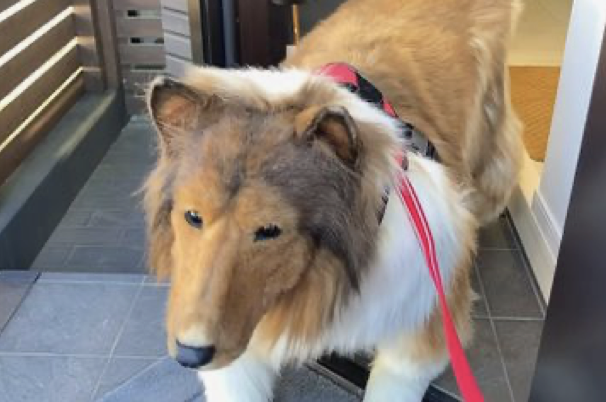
x=350, y=78
x=463, y=374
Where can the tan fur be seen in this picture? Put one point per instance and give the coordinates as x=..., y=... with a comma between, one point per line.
x=228, y=149
x=443, y=68
x=305, y=312
x=219, y=267
x=221, y=282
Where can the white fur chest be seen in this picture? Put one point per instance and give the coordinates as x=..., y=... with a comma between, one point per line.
x=397, y=294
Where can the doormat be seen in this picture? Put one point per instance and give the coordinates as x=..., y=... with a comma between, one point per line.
x=533, y=94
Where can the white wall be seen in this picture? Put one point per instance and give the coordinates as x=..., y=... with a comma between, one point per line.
x=583, y=44
x=538, y=208
x=540, y=33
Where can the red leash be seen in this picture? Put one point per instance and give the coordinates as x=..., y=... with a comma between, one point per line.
x=465, y=379
x=346, y=75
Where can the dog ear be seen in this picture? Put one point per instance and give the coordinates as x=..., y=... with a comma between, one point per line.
x=334, y=126
x=178, y=110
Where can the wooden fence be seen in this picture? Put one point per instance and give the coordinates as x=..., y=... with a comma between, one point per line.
x=40, y=73
x=52, y=51
x=141, y=46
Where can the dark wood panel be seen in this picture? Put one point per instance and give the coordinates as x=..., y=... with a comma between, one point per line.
x=179, y=5
x=142, y=54
x=264, y=31
x=89, y=47
x=22, y=24
x=20, y=108
x=138, y=27
x=175, y=22
x=136, y=4
x=6, y=4
x=33, y=56
x=105, y=27
x=14, y=152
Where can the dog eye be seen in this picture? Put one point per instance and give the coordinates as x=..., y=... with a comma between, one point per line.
x=267, y=232
x=194, y=219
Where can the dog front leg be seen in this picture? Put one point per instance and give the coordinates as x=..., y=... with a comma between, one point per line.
x=250, y=378
x=398, y=378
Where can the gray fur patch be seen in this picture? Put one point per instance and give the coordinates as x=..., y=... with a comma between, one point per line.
x=326, y=194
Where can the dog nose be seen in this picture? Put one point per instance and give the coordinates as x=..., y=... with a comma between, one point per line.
x=193, y=356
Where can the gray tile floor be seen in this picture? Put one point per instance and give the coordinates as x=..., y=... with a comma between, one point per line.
x=103, y=230
x=75, y=334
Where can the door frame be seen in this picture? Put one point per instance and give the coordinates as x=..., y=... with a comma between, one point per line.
x=539, y=206
x=572, y=355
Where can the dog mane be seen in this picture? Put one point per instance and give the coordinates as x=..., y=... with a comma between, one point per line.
x=308, y=309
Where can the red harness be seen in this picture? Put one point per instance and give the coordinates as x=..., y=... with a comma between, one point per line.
x=350, y=78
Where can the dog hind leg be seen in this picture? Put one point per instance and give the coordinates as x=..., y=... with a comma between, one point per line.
x=495, y=152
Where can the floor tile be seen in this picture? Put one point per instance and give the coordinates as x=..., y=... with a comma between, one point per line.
x=103, y=200
x=519, y=342
x=14, y=287
x=120, y=370
x=76, y=218
x=86, y=236
x=48, y=379
x=498, y=235
x=11, y=296
x=120, y=191
x=144, y=333
x=485, y=361
x=164, y=381
x=19, y=276
x=68, y=319
x=114, y=175
x=124, y=218
x=52, y=256
x=152, y=280
x=130, y=172
x=104, y=259
x=507, y=285
x=106, y=212
x=479, y=309
x=74, y=277
x=135, y=237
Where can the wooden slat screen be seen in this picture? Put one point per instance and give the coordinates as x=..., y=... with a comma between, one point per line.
x=140, y=34
x=40, y=74
x=178, y=41
x=16, y=150
x=141, y=54
x=6, y=4
x=22, y=24
x=177, y=5
x=138, y=27
x=31, y=58
x=35, y=94
x=125, y=5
